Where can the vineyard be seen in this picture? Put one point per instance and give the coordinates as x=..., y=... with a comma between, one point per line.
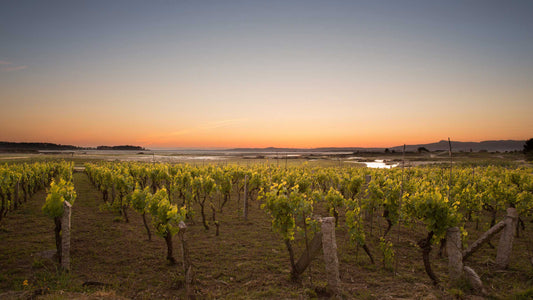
x=161, y=230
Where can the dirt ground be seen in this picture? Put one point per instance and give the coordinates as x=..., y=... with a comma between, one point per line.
x=114, y=260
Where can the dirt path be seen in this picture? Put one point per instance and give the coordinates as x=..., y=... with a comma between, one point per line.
x=24, y=233
x=107, y=250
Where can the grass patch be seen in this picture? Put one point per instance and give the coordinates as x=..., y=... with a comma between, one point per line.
x=525, y=295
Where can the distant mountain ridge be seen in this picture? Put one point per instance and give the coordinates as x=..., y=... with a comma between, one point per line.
x=490, y=146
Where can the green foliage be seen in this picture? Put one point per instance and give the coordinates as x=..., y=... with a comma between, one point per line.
x=165, y=216
x=334, y=201
x=432, y=206
x=204, y=186
x=285, y=205
x=140, y=198
x=428, y=194
x=57, y=194
x=387, y=251
x=355, y=224
x=124, y=184
x=351, y=184
x=385, y=189
x=19, y=181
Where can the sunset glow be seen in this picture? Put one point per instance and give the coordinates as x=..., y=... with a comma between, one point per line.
x=265, y=73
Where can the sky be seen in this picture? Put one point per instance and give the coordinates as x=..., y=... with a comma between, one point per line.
x=173, y=74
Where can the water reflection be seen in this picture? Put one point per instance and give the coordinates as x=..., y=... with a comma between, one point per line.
x=376, y=164
x=379, y=165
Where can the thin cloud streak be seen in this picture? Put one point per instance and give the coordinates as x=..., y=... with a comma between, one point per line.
x=167, y=137
x=15, y=68
x=223, y=123
x=3, y=62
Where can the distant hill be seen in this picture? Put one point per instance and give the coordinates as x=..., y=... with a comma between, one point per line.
x=123, y=147
x=490, y=146
x=35, y=147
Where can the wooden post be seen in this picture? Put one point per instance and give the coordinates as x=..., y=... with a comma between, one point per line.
x=369, y=214
x=451, y=164
x=455, y=254
x=474, y=280
x=245, y=208
x=505, y=246
x=329, y=246
x=187, y=266
x=65, y=236
x=485, y=237
x=396, y=257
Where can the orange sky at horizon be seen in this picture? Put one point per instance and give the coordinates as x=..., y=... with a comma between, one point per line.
x=305, y=122
x=241, y=133
x=302, y=117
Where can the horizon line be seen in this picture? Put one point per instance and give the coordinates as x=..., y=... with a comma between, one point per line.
x=190, y=148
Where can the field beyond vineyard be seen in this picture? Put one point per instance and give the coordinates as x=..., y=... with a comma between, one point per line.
x=248, y=260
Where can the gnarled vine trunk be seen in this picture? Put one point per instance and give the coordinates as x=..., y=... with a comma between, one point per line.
x=170, y=255
x=202, y=212
x=146, y=226
x=425, y=245
x=57, y=231
x=226, y=198
x=389, y=222
x=294, y=273
x=365, y=247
